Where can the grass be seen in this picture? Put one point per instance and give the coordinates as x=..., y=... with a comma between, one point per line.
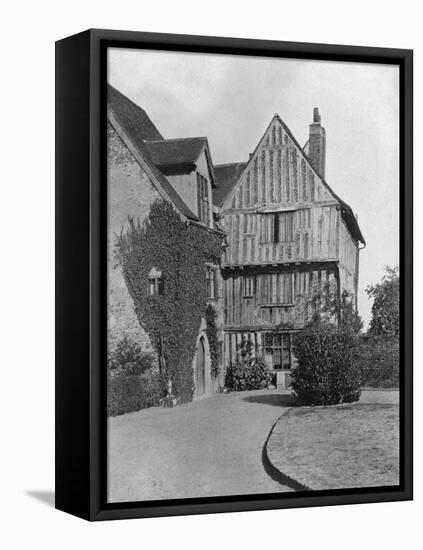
x=344, y=446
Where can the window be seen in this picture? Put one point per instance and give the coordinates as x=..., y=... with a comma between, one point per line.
x=276, y=290
x=278, y=350
x=248, y=286
x=203, y=199
x=286, y=288
x=155, y=283
x=277, y=227
x=211, y=282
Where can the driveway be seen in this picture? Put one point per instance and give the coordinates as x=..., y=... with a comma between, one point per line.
x=210, y=447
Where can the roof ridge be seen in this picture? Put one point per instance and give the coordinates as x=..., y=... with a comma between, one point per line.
x=231, y=163
x=174, y=139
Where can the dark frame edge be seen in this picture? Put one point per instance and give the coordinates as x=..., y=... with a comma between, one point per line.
x=72, y=206
x=406, y=267
x=92, y=505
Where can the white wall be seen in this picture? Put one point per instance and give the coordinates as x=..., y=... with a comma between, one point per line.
x=27, y=275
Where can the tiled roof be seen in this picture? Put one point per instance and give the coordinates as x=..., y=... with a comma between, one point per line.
x=226, y=177
x=139, y=127
x=175, y=156
x=134, y=119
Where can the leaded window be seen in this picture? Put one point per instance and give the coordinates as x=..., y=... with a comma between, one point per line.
x=248, y=286
x=203, y=199
x=155, y=283
x=278, y=350
x=211, y=282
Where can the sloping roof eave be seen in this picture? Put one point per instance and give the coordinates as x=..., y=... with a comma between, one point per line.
x=143, y=158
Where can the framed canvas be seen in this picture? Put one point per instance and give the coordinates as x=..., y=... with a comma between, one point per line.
x=234, y=274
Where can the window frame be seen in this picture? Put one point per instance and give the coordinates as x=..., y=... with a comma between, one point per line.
x=270, y=233
x=212, y=282
x=203, y=199
x=158, y=286
x=248, y=286
x=280, y=348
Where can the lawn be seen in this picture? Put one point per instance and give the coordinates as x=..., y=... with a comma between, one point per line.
x=343, y=446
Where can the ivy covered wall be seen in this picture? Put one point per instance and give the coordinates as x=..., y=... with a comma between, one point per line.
x=172, y=320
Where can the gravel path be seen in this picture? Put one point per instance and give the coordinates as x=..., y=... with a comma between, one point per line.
x=210, y=447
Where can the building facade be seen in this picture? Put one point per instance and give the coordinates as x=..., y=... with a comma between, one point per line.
x=287, y=233
x=289, y=236
x=143, y=167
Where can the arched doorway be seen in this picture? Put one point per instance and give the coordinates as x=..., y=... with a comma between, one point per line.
x=200, y=368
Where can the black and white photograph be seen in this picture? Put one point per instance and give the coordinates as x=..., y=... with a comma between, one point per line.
x=253, y=275
x=210, y=241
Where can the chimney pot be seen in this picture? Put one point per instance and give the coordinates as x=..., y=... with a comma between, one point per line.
x=317, y=144
x=316, y=115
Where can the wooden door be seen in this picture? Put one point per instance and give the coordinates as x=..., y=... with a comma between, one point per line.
x=200, y=368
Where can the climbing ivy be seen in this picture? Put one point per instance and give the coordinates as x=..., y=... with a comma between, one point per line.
x=211, y=331
x=179, y=250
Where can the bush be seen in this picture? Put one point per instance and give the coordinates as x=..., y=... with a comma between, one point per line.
x=127, y=392
x=249, y=372
x=327, y=373
x=128, y=356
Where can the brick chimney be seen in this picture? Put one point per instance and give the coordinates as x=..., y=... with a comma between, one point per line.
x=317, y=144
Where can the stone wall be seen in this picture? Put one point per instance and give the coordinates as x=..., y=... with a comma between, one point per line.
x=129, y=193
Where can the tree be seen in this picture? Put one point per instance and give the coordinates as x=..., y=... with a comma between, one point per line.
x=329, y=306
x=386, y=304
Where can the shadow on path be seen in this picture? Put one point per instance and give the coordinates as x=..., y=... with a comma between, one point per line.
x=46, y=497
x=274, y=399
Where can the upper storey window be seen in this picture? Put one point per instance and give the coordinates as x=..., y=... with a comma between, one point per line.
x=211, y=282
x=277, y=227
x=203, y=199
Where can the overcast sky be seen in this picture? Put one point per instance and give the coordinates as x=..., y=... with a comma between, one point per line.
x=232, y=99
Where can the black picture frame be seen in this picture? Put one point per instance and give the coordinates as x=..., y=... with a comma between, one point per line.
x=81, y=262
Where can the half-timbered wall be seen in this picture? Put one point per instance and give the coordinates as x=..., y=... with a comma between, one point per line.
x=279, y=180
x=280, y=297
x=348, y=268
x=286, y=240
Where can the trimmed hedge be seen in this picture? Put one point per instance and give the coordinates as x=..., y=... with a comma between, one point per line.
x=379, y=362
x=128, y=392
x=326, y=373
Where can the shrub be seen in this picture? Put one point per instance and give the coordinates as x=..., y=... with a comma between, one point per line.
x=327, y=373
x=211, y=331
x=249, y=372
x=127, y=392
x=127, y=355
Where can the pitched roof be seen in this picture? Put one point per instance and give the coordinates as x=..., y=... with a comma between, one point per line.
x=346, y=209
x=226, y=175
x=176, y=155
x=138, y=127
x=233, y=176
x=135, y=120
